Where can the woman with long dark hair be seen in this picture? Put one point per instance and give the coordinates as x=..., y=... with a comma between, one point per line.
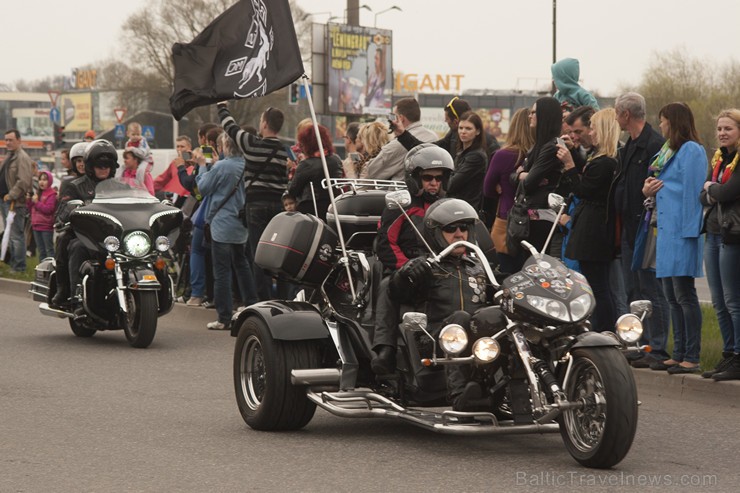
x=540, y=175
x=466, y=182
x=675, y=180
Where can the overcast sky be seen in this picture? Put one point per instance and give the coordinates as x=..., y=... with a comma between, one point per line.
x=495, y=44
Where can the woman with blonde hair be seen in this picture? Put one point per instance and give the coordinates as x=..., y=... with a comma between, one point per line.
x=371, y=138
x=497, y=183
x=721, y=250
x=592, y=236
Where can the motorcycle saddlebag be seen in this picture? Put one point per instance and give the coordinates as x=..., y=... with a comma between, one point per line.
x=298, y=247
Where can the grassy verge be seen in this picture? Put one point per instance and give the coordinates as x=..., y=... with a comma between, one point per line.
x=8, y=273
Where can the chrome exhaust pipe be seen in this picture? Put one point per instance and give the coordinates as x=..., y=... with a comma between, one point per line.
x=315, y=376
x=53, y=312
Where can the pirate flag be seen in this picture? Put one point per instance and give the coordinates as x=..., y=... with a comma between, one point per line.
x=250, y=50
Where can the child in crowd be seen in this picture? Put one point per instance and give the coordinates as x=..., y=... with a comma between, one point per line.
x=133, y=170
x=289, y=202
x=136, y=139
x=42, y=205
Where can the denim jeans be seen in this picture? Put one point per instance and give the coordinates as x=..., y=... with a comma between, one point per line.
x=197, y=263
x=723, y=276
x=618, y=289
x=259, y=214
x=686, y=317
x=643, y=285
x=228, y=258
x=44, y=243
x=17, y=238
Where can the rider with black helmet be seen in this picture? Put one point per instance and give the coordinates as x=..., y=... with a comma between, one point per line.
x=101, y=162
x=428, y=168
x=449, y=291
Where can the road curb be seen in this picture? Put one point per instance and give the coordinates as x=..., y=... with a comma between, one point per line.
x=688, y=387
x=15, y=287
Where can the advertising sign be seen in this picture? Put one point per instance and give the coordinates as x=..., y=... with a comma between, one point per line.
x=76, y=111
x=360, y=66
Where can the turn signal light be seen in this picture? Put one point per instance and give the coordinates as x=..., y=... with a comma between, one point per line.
x=110, y=264
x=647, y=349
x=426, y=362
x=160, y=264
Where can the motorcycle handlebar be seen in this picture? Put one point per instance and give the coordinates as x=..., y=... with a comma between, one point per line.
x=452, y=246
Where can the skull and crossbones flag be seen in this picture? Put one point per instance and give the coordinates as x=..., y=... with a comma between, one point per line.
x=250, y=50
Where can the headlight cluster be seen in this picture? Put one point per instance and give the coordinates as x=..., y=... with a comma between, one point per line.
x=579, y=307
x=137, y=244
x=111, y=243
x=629, y=328
x=454, y=339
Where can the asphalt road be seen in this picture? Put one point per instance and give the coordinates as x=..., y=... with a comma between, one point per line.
x=97, y=415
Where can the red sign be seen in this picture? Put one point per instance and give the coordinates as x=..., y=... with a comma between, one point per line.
x=120, y=113
x=54, y=96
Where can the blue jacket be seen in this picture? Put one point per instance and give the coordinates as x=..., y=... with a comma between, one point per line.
x=565, y=73
x=679, y=245
x=217, y=183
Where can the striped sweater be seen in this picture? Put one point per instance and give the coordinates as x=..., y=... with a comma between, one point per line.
x=266, y=171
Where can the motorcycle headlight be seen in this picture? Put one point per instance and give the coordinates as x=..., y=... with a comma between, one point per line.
x=453, y=339
x=629, y=328
x=111, y=243
x=552, y=308
x=162, y=243
x=580, y=307
x=137, y=244
x=486, y=349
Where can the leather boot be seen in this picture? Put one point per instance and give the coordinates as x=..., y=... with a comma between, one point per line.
x=721, y=366
x=731, y=371
x=61, y=297
x=385, y=362
x=469, y=396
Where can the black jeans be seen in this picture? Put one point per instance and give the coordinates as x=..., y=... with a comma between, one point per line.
x=597, y=275
x=259, y=214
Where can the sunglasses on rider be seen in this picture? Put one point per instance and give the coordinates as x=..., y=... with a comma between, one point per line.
x=428, y=178
x=451, y=228
x=452, y=108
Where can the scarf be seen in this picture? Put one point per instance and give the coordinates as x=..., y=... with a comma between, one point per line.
x=717, y=165
x=664, y=155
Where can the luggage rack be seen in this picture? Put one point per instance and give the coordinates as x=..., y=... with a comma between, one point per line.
x=355, y=184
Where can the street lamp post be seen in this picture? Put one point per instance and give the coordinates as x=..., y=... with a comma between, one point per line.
x=352, y=13
x=554, y=29
x=395, y=7
x=314, y=14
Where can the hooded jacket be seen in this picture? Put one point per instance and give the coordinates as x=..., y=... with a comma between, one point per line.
x=565, y=74
x=42, y=212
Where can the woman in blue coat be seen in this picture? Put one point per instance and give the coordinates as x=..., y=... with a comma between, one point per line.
x=676, y=178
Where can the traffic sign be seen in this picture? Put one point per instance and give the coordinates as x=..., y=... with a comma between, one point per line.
x=54, y=96
x=55, y=115
x=119, y=132
x=120, y=113
x=147, y=132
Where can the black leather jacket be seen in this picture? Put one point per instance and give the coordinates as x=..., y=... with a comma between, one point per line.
x=82, y=188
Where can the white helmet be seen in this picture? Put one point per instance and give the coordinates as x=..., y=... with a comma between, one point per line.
x=78, y=150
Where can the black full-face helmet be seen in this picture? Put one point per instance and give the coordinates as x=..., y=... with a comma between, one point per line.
x=425, y=157
x=100, y=153
x=445, y=212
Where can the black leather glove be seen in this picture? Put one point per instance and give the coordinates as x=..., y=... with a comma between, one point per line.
x=415, y=272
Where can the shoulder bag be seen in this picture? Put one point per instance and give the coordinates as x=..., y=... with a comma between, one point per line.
x=517, y=224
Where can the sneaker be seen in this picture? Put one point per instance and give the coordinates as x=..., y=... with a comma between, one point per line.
x=643, y=362
x=195, y=301
x=209, y=304
x=217, y=326
x=731, y=372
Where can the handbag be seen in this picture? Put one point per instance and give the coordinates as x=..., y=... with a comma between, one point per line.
x=517, y=224
x=644, y=253
x=729, y=223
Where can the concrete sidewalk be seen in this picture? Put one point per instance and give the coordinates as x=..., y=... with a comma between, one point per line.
x=691, y=387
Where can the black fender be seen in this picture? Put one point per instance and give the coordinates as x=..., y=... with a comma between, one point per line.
x=286, y=320
x=596, y=339
x=142, y=278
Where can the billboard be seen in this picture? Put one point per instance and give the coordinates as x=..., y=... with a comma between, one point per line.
x=76, y=111
x=360, y=66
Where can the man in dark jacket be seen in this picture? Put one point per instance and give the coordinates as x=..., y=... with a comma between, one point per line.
x=448, y=291
x=634, y=158
x=101, y=162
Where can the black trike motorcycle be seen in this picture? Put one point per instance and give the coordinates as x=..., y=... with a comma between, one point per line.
x=125, y=284
x=541, y=368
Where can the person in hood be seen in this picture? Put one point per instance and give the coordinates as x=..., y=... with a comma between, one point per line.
x=133, y=171
x=565, y=75
x=42, y=205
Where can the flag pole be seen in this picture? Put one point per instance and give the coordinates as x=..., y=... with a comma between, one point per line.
x=345, y=258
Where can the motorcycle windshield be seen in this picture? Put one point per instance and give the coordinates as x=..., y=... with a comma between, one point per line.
x=122, y=191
